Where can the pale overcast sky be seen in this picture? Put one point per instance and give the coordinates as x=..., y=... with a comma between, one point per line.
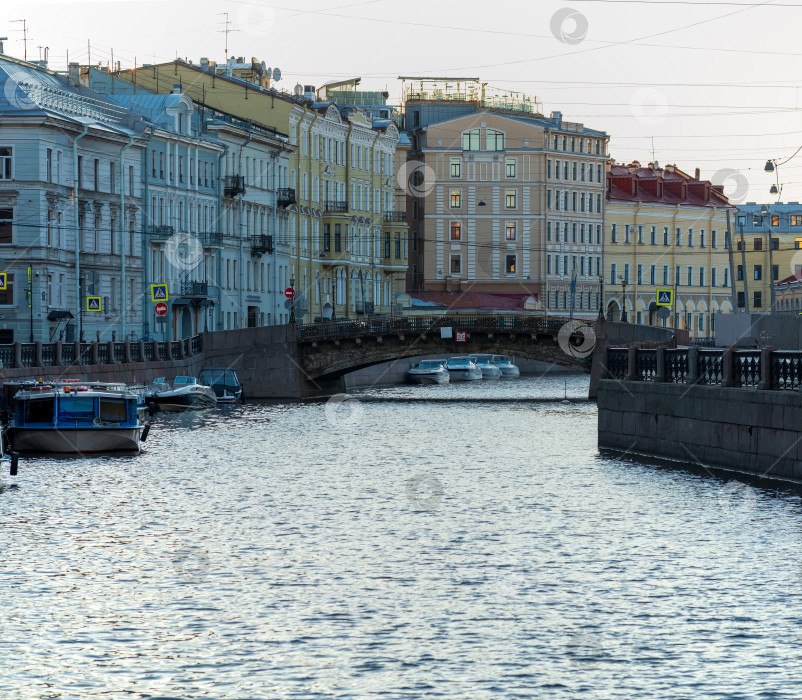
x=707, y=84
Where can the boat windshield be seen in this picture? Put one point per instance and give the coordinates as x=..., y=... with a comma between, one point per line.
x=501, y=359
x=76, y=408
x=224, y=377
x=185, y=380
x=460, y=361
x=481, y=360
x=112, y=410
x=430, y=363
x=39, y=410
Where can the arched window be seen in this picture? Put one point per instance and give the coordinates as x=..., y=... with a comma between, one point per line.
x=470, y=140
x=495, y=140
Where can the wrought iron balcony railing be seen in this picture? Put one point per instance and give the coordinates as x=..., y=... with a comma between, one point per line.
x=399, y=216
x=286, y=196
x=190, y=288
x=234, y=185
x=211, y=239
x=337, y=207
x=261, y=245
x=159, y=231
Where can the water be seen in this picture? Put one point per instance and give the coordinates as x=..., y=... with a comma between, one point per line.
x=395, y=549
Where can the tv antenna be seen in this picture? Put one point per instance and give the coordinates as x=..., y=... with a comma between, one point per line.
x=24, y=35
x=227, y=30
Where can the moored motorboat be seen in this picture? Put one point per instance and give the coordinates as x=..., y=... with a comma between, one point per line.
x=506, y=365
x=463, y=369
x=224, y=382
x=429, y=372
x=184, y=395
x=71, y=417
x=486, y=366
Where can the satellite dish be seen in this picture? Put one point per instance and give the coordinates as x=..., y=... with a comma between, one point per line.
x=269, y=73
x=264, y=68
x=276, y=74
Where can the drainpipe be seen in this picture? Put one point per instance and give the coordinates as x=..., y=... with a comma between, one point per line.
x=75, y=187
x=143, y=246
x=124, y=236
x=309, y=199
x=219, y=266
x=241, y=231
x=276, y=187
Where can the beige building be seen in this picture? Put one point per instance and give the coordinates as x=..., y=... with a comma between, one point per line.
x=511, y=204
x=666, y=230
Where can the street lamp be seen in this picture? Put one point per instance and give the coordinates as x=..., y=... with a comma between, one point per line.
x=601, y=297
x=292, y=301
x=772, y=166
x=623, y=299
x=764, y=211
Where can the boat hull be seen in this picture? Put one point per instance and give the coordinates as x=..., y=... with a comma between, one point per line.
x=178, y=404
x=510, y=371
x=440, y=378
x=458, y=375
x=488, y=373
x=75, y=440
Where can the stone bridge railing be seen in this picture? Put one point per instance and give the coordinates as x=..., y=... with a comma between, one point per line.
x=60, y=354
x=482, y=323
x=728, y=367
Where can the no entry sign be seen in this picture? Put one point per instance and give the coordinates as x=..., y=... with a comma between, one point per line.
x=289, y=292
x=161, y=309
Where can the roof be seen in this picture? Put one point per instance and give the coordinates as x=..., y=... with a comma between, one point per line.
x=465, y=301
x=796, y=278
x=620, y=189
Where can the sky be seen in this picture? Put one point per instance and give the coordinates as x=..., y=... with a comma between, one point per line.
x=712, y=84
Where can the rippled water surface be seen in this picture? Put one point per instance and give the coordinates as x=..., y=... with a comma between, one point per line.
x=395, y=549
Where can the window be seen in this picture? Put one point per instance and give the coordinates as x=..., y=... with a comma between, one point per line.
x=327, y=237
x=739, y=244
x=6, y=226
x=512, y=167
x=626, y=233
x=456, y=167
x=739, y=273
x=510, y=264
x=690, y=238
x=548, y=169
x=665, y=274
x=775, y=220
x=653, y=235
x=613, y=273
x=613, y=233
x=758, y=272
x=7, y=296
x=652, y=274
x=741, y=300
x=548, y=230
x=97, y=175
x=470, y=140
x=456, y=230
x=640, y=274
x=495, y=140
x=665, y=235
x=6, y=153
x=679, y=237
x=775, y=272
x=510, y=230
x=626, y=273
x=758, y=300
x=714, y=239
x=456, y=261
x=50, y=165
x=796, y=220
x=510, y=199
x=713, y=276
x=701, y=277
x=758, y=243
x=702, y=238
x=456, y=199
x=640, y=234
x=775, y=243
x=337, y=238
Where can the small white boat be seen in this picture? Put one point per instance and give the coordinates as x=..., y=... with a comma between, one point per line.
x=486, y=366
x=184, y=395
x=506, y=365
x=429, y=372
x=224, y=383
x=463, y=369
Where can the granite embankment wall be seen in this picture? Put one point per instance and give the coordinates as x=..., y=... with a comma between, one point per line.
x=732, y=410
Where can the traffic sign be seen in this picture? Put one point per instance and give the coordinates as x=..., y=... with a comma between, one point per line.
x=665, y=297
x=93, y=303
x=160, y=309
x=3, y=281
x=158, y=292
x=289, y=292
x=462, y=336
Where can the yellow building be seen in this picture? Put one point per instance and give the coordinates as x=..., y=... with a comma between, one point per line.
x=666, y=230
x=347, y=241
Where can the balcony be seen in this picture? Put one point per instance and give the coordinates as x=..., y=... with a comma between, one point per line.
x=286, y=196
x=160, y=232
x=395, y=216
x=211, y=239
x=261, y=245
x=337, y=207
x=234, y=185
x=190, y=288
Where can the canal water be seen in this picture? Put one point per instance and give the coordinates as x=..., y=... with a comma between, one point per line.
x=386, y=546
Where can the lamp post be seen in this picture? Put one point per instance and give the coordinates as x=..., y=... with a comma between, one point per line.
x=601, y=297
x=772, y=166
x=30, y=299
x=743, y=265
x=623, y=299
x=764, y=211
x=292, y=301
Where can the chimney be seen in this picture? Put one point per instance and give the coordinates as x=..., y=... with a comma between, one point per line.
x=696, y=174
x=557, y=119
x=176, y=89
x=75, y=74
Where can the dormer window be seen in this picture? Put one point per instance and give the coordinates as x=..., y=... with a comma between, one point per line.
x=470, y=140
x=659, y=189
x=180, y=123
x=635, y=188
x=685, y=191
x=495, y=140
x=707, y=193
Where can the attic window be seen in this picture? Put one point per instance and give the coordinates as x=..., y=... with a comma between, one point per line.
x=684, y=191
x=707, y=193
x=634, y=187
x=659, y=189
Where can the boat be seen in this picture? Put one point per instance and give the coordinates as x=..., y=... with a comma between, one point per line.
x=224, y=382
x=184, y=395
x=429, y=372
x=486, y=366
x=506, y=365
x=463, y=369
x=68, y=416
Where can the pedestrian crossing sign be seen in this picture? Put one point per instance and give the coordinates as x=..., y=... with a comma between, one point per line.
x=93, y=303
x=3, y=281
x=158, y=292
x=665, y=297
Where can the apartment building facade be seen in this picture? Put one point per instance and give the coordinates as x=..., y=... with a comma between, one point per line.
x=665, y=229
